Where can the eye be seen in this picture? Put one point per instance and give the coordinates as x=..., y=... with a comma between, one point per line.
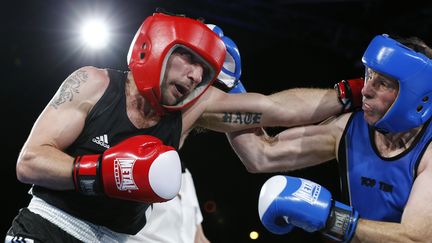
x=368, y=75
x=187, y=57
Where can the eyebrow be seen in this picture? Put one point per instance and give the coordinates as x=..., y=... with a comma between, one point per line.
x=195, y=60
x=380, y=76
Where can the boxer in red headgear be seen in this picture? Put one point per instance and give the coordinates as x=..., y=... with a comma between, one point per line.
x=101, y=152
x=159, y=37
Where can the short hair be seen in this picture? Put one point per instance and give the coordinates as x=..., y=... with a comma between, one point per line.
x=416, y=44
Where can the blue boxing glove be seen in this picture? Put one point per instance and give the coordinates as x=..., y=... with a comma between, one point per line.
x=239, y=88
x=286, y=201
x=230, y=74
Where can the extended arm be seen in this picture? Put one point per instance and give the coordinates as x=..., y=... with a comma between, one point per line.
x=310, y=105
x=292, y=107
x=416, y=223
x=200, y=236
x=233, y=112
x=42, y=160
x=305, y=105
x=299, y=106
x=291, y=149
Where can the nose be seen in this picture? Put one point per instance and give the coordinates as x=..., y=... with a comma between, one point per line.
x=195, y=74
x=368, y=89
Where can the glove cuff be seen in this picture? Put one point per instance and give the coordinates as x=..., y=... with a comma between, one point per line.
x=349, y=94
x=85, y=174
x=344, y=95
x=342, y=223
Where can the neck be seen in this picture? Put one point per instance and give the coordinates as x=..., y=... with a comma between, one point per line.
x=395, y=141
x=137, y=100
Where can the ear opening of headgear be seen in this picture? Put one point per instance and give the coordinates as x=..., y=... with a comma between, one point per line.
x=413, y=70
x=155, y=41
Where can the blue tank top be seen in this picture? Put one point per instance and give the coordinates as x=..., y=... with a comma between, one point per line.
x=376, y=186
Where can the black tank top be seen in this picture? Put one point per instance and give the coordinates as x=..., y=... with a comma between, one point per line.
x=106, y=125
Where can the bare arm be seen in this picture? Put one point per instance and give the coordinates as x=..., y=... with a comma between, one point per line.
x=199, y=235
x=42, y=160
x=291, y=149
x=299, y=106
x=416, y=223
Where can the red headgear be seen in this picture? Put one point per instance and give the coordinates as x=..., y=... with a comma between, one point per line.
x=153, y=43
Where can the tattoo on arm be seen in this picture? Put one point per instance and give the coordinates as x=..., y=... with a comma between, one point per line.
x=69, y=87
x=246, y=118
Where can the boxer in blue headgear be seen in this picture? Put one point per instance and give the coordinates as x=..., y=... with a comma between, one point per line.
x=383, y=151
x=413, y=70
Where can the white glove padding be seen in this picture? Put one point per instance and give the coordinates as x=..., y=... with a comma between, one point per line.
x=231, y=69
x=239, y=88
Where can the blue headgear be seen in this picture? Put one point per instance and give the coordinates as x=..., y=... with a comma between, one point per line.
x=413, y=70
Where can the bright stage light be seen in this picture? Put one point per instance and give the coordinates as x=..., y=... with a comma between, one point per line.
x=253, y=235
x=95, y=34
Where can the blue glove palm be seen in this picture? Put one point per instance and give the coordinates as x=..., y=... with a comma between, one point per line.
x=231, y=69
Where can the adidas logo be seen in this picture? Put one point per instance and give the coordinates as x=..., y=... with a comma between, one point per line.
x=101, y=140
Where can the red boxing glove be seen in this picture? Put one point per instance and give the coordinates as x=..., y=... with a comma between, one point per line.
x=140, y=168
x=349, y=93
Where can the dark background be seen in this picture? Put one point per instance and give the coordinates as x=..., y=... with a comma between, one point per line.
x=283, y=43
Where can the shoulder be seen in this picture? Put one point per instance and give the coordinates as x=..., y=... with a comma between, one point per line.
x=91, y=81
x=89, y=76
x=192, y=113
x=426, y=161
x=337, y=125
x=84, y=85
x=211, y=95
x=338, y=122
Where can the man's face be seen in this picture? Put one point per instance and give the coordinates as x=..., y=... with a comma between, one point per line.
x=182, y=74
x=379, y=93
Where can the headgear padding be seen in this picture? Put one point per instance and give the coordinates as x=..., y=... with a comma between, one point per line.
x=154, y=42
x=413, y=70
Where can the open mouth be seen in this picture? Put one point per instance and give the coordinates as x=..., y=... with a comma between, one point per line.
x=181, y=89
